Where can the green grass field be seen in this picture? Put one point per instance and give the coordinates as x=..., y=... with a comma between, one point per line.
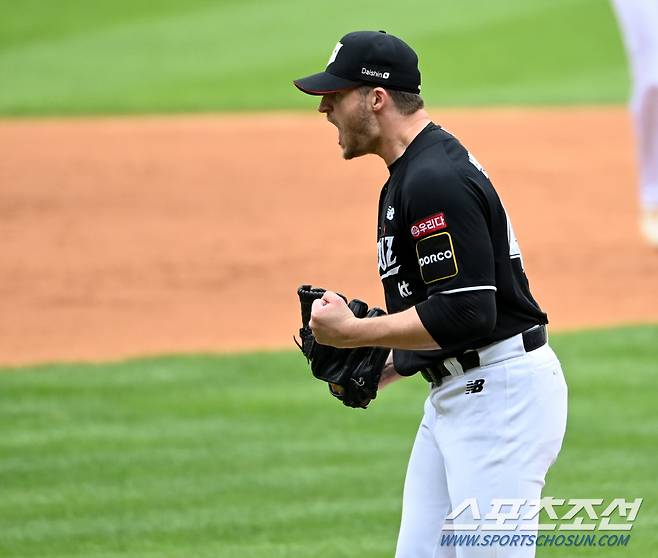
x=134, y=56
x=247, y=456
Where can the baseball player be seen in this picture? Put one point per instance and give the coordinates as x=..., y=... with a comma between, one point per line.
x=460, y=309
x=638, y=20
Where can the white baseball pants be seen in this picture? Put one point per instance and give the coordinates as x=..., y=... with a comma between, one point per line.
x=495, y=443
x=638, y=20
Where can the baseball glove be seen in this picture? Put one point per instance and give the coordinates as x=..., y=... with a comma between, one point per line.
x=352, y=374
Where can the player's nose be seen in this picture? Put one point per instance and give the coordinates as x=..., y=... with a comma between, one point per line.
x=325, y=105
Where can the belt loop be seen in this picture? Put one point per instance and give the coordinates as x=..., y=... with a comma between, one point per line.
x=454, y=367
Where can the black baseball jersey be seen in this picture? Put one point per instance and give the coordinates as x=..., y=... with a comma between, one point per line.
x=443, y=232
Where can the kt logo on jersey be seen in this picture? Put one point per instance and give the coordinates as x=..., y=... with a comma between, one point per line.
x=387, y=261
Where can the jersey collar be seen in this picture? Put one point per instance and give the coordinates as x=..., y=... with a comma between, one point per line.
x=420, y=142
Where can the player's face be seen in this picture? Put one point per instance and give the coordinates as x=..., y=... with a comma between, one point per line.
x=348, y=111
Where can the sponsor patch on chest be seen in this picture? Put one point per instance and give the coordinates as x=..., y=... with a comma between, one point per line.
x=436, y=257
x=428, y=225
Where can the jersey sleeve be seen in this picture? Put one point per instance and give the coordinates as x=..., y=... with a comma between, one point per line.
x=445, y=218
x=447, y=227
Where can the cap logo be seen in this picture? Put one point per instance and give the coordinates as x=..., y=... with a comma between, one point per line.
x=332, y=58
x=374, y=73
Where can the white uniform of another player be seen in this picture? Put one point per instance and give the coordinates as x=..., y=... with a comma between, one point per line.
x=638, y=20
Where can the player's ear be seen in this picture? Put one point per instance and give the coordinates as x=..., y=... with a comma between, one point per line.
x=378, y=98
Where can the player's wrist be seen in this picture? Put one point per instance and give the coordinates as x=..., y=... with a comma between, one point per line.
x=367, y=332
x=355, y=333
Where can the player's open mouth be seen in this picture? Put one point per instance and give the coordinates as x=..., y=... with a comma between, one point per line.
x=340, y=137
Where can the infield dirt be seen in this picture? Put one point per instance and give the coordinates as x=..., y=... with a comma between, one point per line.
x=135, y=236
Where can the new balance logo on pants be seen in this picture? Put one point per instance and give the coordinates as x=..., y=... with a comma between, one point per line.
x=474, y=386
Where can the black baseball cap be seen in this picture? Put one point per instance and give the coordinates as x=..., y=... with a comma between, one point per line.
x=366, y=57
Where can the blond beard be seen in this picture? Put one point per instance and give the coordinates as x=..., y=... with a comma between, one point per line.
x=358, y=134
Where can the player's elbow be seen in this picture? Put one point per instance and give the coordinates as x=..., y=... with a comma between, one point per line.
x=455, y=319
x=478, y=316
x=483, y=322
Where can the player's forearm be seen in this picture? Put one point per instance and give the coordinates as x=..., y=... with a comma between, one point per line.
x=402, y=330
